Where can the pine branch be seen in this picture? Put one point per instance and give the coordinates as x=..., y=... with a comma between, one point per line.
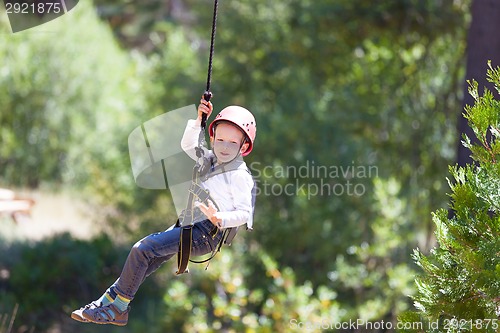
x=460, y=278
x=486, y=145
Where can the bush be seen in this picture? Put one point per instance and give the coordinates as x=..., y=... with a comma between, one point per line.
x=53, y=276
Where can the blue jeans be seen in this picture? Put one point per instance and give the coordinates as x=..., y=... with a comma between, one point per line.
x=148, y=254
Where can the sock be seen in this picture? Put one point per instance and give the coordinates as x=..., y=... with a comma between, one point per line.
x=121, y=303
x=108, y=297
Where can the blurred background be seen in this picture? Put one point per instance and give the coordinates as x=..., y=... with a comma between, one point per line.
x=360, y=95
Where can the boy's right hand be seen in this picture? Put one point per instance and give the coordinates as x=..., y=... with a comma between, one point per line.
x=204, y=108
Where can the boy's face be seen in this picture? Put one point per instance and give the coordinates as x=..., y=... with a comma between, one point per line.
x=227, y=142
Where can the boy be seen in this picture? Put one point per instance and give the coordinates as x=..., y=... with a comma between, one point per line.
x=232, y=135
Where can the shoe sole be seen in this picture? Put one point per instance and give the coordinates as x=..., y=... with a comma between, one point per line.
x=116, y=323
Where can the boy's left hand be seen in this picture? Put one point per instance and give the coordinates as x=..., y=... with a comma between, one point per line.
x=209, y=212
x=204, y=108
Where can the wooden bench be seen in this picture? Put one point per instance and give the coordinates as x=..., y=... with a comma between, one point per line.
x=13, y=206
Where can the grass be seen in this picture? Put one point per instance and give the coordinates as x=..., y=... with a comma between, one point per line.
x=4, y=319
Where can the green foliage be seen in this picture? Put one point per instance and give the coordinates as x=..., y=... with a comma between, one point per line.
x=372, y=110
x=222, y=300
x=53, y=92
x=462, y=275
x=378, y=264
x=51, y=278
x=48, y=279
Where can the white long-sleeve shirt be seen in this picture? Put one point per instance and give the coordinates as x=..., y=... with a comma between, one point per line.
x=231, y=191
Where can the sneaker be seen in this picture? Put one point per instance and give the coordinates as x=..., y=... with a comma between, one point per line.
x=108, y=314
x=77, y=314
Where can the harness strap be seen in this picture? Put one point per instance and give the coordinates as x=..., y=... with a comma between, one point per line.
x=200, y=193
x=185, y=244
x=186, y=224
x=187, y=218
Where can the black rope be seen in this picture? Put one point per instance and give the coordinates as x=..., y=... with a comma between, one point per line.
x=208, y=94
x=187, y=220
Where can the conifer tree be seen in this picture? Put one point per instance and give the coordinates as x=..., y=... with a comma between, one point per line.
x=460, y=288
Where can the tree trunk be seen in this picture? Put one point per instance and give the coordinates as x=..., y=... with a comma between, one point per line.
x=483, y=44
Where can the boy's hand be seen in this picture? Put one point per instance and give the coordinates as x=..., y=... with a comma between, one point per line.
x=209, y=212
x=204, y=108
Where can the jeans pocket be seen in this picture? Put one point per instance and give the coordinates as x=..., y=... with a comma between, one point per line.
x=201, y=245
